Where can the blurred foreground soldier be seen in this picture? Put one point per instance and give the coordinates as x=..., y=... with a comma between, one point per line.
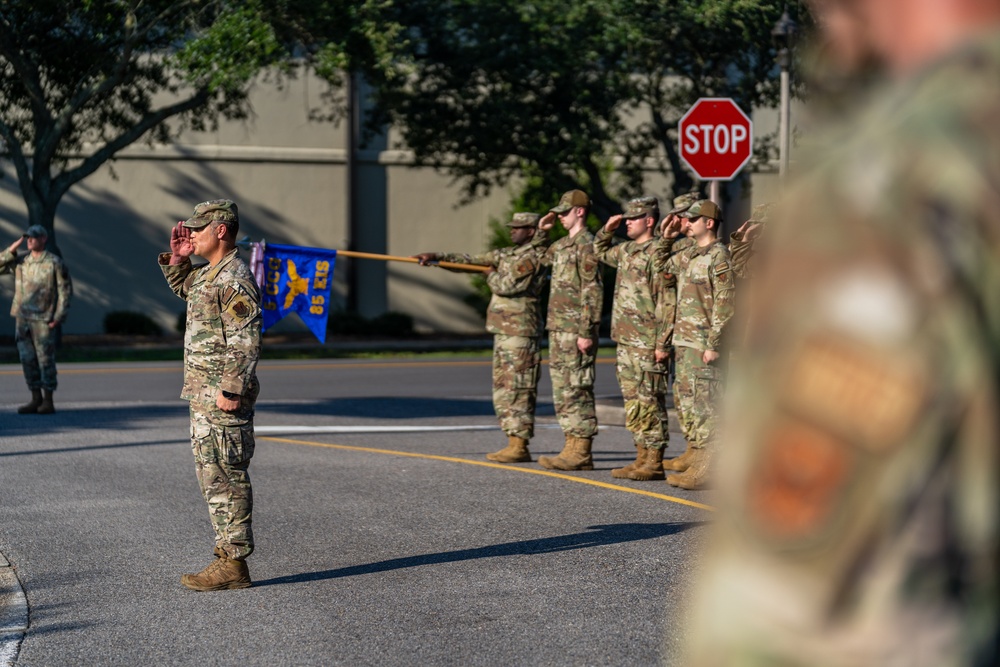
x=514, y=318
x=641, y=323
x=42, y=289
x=704, y=307
x=575, y=299
x=742, y=242
x=221, y=349
x=861, y=506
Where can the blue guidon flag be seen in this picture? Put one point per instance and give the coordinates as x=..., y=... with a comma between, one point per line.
x=294, y=279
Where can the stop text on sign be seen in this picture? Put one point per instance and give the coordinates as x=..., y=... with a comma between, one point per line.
x=716, y=138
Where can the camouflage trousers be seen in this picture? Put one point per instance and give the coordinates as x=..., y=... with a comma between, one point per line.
x=572, y=375
x=36, y=345
x=644, y=387
x=221, y=456
x=696, y=394
x=516, y=360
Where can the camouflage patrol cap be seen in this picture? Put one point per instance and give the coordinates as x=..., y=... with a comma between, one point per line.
x=36, y=232
x=683, y=203
x=223, y=210
x=524, y=220
x=570, y=200
x=761, y=212
x=706, y=208
x=640, y=207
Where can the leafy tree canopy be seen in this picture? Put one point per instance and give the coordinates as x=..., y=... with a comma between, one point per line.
x=82, y=79
x=487, y=88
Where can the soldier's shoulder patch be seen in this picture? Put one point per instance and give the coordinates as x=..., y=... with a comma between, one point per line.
x=228, y=294
x=722, y=267
x=589, y=265
x=801, y=477
x=241, y=308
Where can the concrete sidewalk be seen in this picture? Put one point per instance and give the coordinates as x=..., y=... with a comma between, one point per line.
x=13, y=613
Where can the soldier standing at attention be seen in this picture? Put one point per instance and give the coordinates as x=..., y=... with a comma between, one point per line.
x=221, y=349
x=42, y=289
x=514, y=318
x=704, y=307
x=575, y=299
x=641, y=323
x=859, y=518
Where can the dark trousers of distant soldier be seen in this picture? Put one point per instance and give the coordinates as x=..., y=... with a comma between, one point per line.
x=697, y=392
x=36, y=345
x=572, y=373
x=222, y=456
x=643, y=383
x=516, y=361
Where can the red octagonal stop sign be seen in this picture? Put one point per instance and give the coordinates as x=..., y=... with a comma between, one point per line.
x=716, y=138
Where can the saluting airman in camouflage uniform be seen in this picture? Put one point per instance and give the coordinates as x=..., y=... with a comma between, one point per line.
x=641, y=323
x=705, y=298
x=859, y=507
x=575, y=298
x=221, y=349
x=514, y=318
x=674, y=219
x=42, y=290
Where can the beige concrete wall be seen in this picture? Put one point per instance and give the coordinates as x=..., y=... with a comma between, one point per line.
x=289, y=177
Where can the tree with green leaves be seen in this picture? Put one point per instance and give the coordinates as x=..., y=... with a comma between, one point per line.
x=81, y=80
x=582, y=93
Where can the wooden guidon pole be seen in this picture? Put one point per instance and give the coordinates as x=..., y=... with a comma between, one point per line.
x=412, y=260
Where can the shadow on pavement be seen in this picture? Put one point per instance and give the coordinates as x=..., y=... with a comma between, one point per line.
x=86, y=448
x=597, y=536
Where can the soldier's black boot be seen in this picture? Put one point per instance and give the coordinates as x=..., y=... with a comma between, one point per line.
x=46, y=407
x=31, y=407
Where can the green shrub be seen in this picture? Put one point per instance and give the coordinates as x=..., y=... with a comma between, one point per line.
x=389, y=325
x=392, y=325
x=123, y=322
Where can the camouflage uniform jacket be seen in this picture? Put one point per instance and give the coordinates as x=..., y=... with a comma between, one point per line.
x=222, y=333
x=705, y=293
x=864, y=490
x=741, y=251
x=517, y=285
x=42, y=286
x=643, y=311
x=576, y=291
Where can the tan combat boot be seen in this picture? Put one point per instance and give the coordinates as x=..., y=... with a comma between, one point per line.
x=46, y=408
x=516, y=451
x=651, y=468
x=574, y=456
x=31, y=407
x=679, y=463
x=696, y=475
x=623, y=473
x=221, y=574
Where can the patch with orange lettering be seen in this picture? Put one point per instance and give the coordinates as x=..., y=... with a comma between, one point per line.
x=801, y=476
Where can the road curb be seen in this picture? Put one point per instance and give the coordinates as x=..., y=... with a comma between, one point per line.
x=13, y=613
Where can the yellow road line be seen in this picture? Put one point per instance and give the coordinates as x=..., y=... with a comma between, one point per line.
x=486, y=464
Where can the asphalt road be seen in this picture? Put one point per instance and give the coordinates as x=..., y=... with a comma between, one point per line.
x=381, y=539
